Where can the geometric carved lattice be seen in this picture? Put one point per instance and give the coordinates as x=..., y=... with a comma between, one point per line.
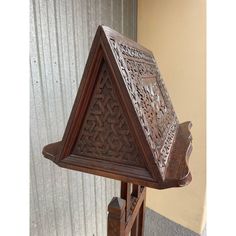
x=105, y=133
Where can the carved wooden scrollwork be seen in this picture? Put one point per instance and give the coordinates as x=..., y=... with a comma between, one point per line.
x=149, y=97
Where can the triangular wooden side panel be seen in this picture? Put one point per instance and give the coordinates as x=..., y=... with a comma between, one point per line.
x=105, y=133
x=99, y=138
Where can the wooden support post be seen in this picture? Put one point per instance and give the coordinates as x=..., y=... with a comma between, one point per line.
x=125, y=194
x=141, y=219
x=135, y=228
x=126, y=214
x=116, y=217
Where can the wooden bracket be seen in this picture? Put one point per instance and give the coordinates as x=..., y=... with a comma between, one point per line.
x=126, y=214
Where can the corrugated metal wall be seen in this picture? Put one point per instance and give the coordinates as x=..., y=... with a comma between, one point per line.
x=66, y=202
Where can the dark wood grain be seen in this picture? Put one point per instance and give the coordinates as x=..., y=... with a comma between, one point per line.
x=116, y=217
x=123, y=124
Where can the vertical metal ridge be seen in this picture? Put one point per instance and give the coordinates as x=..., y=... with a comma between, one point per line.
x=36, y=83
x=36, y=44
x=49, y=82
x=36, y=222
x=51, y=64
x=60, y=58
x=74, y=42
x=64, y=202
x=70, y=203
x=40, y=170
x=80, y=201
x=45, y=70
x=95, y=205
x=58, y=62
x=85, y=197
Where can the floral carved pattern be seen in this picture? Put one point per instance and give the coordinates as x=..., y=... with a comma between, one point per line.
x=105, y=133
x=149, y=97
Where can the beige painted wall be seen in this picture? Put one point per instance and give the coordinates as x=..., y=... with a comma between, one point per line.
x=175, y=31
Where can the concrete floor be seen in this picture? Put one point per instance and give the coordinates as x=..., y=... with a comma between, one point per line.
x=157, y=225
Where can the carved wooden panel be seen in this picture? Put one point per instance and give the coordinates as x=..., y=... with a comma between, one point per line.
x=123, y=124
x=105, y=133
x=149, y=97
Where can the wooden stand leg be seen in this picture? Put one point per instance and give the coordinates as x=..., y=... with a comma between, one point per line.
x=141, y=219
x=135, y=228
x=116, y=217
x=126, y=214
x=125, y=194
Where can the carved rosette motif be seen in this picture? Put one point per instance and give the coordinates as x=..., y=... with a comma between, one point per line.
x=149, y=97
x=105, y=133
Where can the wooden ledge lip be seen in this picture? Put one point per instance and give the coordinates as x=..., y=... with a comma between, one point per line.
x=51, y=150
x=178, y=173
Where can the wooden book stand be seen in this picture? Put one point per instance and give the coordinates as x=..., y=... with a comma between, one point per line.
x=123, y=126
